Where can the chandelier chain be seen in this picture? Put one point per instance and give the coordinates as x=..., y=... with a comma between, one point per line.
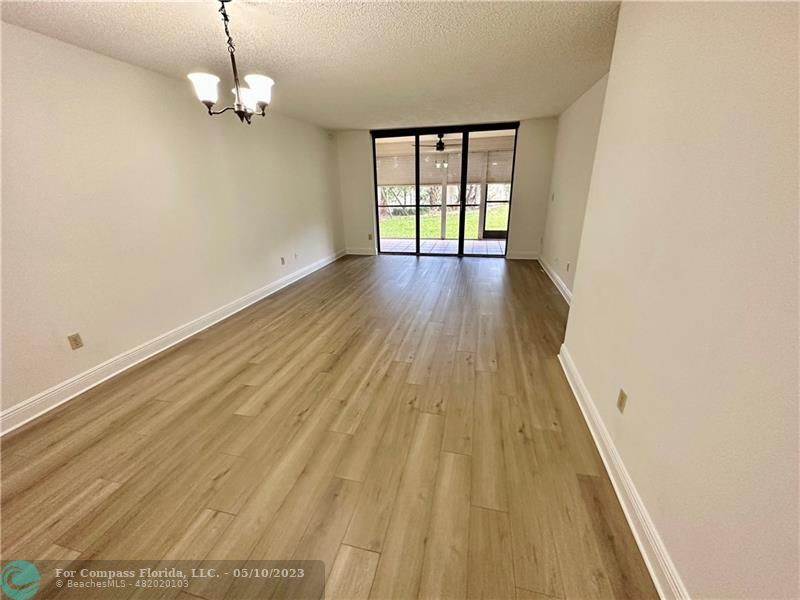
x=225, y=20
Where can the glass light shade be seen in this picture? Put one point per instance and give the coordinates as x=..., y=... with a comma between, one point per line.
x=248, y=98
x=205, y=86
x=261, y=86
x=444, y=164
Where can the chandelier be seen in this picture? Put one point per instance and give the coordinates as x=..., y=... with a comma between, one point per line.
x=247, y=101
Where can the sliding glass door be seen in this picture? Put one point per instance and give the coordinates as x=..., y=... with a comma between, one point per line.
x=396, y=195
x=439, y=205
x=444, y=191
x=491, y=163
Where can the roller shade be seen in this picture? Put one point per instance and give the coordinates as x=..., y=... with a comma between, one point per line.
x=499, y=167
x=429, y=174
x=399, y=170
x=395, y=170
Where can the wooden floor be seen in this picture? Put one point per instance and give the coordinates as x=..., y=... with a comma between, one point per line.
x=404, y=420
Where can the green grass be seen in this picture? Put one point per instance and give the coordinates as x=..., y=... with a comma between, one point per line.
x=430, y=225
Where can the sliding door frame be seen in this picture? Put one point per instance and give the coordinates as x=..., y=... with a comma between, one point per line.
x=462, y=195
x=416, y=189
x=445, y=129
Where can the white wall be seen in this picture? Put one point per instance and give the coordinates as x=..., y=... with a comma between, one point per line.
x=357, y=190
x=569, y=186
x=532, y=171
x=687, y=291
x=127, y=211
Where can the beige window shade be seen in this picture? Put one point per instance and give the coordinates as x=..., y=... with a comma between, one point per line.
x=428, y=173
x=399, y=170
x=499, y=167
x=476, y=167
x=454, y=168
x=395, y=170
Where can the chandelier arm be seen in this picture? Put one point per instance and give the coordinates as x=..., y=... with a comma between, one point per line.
x=261, y=113
x=219, y=112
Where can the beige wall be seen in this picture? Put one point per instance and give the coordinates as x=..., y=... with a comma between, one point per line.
x=128, y=212
x=356, y=190
x=687, y=291
x=532, y=171
x=572, y=171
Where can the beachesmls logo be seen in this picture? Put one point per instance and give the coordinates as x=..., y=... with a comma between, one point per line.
x=20, y=580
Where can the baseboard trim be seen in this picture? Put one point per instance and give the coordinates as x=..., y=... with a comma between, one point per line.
x=522, y=255
x=361, y=251
x=559, y=283
x=27, y=410
x=662, y=569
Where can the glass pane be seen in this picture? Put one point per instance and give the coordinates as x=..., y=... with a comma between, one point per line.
x=396, y=195
x=440, y=173
x=497, y=216
x=498, y=192
x=397, y=214
x=397, y=223
x=473, y=194
x=471, y=226
x=430, y=195
x=452, y=194
x=500, y=165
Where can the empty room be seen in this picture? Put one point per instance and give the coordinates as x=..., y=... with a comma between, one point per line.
x=395, y=300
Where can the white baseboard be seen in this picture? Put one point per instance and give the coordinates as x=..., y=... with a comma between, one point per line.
x=662, y=569
x=361, y=251
x=18, y=415
x=559, y=283
x=522, y=255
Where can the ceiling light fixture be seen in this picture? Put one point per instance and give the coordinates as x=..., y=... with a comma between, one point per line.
x=247, y=101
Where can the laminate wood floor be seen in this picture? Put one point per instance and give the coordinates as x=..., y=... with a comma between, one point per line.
x=404, y=420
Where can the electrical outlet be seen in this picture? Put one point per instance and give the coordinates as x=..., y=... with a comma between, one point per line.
x=369, y=237
x=283, y=260
x=75, y=341
x=622, y=400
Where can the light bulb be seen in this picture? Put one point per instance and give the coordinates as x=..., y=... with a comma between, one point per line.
x=247, y=97
x=205, y=86
x=261, y=86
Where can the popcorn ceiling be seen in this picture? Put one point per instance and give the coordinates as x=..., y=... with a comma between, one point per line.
x=360, y=65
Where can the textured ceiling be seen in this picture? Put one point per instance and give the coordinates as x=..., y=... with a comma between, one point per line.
x=360, y=65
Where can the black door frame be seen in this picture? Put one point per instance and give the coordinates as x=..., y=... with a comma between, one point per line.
x=428, y=130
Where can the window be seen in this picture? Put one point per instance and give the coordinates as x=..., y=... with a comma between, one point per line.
x=473, y=207
x=498, y=197
x=397, y=211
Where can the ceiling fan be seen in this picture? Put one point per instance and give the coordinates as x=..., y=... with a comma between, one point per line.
x=439, y=145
